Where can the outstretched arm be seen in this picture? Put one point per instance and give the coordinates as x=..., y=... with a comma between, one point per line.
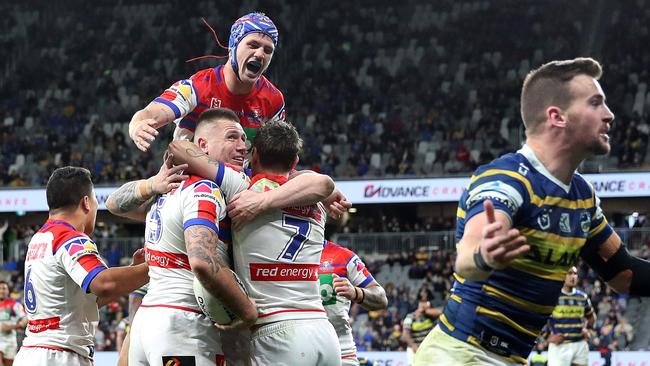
x=145, y=122
x=133, y=199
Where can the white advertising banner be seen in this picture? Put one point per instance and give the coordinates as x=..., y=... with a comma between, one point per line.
x=373, y=191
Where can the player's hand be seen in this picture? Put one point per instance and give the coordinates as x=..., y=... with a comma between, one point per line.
x=499, y=249
x=556, y=338
x=138, y=257
x=343, y=287
x=586, y=334
x=336, y=204
x=6, y=327
x=143, y=133
x=169, y=177
x=244, y=207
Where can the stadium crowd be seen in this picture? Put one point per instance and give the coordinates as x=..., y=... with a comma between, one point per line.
x=355, y=90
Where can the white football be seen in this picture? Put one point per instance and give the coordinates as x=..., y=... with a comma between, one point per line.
x=211, y=306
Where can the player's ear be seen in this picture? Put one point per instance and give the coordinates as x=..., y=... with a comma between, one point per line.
x=202, y=143
x=85, y=204
x=556, y=116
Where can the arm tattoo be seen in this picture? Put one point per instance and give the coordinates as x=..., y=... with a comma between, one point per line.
x=201, y=243
x=375, y=298
x=196, y=153
x=125, y=199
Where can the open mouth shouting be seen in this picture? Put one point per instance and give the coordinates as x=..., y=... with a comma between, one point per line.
x=254, y=66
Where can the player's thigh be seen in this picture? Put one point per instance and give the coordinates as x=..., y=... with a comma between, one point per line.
x=160, y=335
x=349, y=361
x=48, y=357
x=441, y=349
x=310, y=342
x=559, y=354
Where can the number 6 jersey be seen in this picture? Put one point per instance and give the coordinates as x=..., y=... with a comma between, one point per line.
x=277, y=256
x=60, y=264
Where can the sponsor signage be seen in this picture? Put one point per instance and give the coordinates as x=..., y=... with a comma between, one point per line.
x=373, y=191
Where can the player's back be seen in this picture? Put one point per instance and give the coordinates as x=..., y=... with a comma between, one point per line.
x=59, y=266
x=506, y=312
x=196, y=201
x=277, y=255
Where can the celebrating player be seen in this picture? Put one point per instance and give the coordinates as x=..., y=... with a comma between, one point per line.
x=65, y=279
x=524, y=220
x=12, y=317
x=238, y=85
x=277, y=256
x=345, y=279
x=567, y=326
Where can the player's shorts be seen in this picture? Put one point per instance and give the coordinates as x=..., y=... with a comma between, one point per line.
x=160, y=335
x=236, y=345
x=439, y=348
x=568, y=353
x=348, y=348
x=38, y=356
x=8, y=348
x=296, y=342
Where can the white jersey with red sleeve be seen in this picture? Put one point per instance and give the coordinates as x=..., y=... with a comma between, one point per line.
x=277, y=257
x=197, y=201
x=61, y=262
x=11, y=311
x=207, y=88
x=344, y=263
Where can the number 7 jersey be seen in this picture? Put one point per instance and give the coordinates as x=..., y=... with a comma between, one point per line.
x=277, y=256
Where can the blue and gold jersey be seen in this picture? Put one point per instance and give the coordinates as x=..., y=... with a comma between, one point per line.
x=505, y=313
x=568, y=317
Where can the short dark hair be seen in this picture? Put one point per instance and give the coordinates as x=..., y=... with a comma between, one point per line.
x=277, y=144
x=549, y=85
x=67, y=186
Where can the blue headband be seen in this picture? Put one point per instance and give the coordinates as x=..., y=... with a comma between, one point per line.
x=249, y=23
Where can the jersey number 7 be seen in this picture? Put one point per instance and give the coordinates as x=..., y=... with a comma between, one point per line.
x=302, y=229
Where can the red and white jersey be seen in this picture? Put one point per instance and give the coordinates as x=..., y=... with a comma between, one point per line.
x=344, y=263
x=277, y=257
x=197, y=201
x=60, y=264
x=11, y=312
x=207, y=88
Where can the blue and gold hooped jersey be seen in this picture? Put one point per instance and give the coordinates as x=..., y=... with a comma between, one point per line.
x=568, y=317
x=505, y=313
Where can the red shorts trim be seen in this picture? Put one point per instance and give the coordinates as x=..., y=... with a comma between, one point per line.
x=172, y=307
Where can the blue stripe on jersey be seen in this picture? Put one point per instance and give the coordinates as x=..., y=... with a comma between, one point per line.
x=221, y=171
x=177, y=112
x=569, y=314
x=505, y=312
x=85, y=284
x=200, y=221
x=217, y=70
x=366, y=282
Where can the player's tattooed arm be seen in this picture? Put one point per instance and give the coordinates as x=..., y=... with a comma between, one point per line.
x=186, y=152
x=128, y=201
x=373, y=296
x=214, y=275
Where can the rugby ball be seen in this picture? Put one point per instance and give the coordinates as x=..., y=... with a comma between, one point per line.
x=211, y=306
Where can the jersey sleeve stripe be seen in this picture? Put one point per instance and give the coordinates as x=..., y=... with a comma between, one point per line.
x=221, y=171
x=200, y=221
x=85, y=285
x=62, y=243
x=365, y=283
x=177, y=112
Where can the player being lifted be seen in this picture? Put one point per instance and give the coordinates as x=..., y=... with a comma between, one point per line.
x=344, y=279
x=238, y=85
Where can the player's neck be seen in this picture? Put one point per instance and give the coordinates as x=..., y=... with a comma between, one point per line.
x=233, y=83
x=558, y=158
x=72, y=218
x=567, y=289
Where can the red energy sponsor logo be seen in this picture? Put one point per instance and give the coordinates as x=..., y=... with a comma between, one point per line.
x=283, y=272
x=155, y=258
x=41, y=325
x=304, y=211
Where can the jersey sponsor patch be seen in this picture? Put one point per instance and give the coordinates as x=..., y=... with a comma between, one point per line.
x=183, y=88
x=178, y=361
x=77, y=248
x=283, y=272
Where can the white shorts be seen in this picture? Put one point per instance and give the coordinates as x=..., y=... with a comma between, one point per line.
x=160, y=335
x=350, y=361
x=568, y=353
x=8, y=348
x=306, y=342
x=37, y=356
